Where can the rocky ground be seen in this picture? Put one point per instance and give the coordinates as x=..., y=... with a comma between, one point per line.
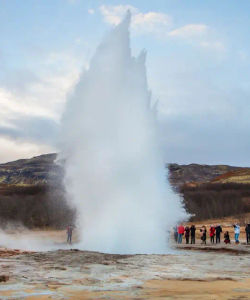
x=197, y=272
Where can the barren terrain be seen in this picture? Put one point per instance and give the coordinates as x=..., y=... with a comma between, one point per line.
x=197, y=272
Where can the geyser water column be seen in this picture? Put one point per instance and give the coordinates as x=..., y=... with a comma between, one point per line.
x=115, y=174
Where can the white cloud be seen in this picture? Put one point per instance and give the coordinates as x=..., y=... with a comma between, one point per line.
x=38, y=105
x=44, y=97
x=114, y=14
x=199, y=35
x=189, y=31
x=91, y=11
x=141, y=23
x=151, y=22
x=15, y=149
x=12, y=106
x=159, y=24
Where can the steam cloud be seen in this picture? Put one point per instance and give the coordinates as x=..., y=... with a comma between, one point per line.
x=115, y=174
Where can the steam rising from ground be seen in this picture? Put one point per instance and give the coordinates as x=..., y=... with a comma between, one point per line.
x=16, y=236
x=115, y=175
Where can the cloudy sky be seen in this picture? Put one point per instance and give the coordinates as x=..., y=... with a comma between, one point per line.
x=198, y=66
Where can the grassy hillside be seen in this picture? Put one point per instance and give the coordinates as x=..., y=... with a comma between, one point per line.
x=34, y=206
x=197, y=174
x=212, y=191
x=216, y=200
x=238, y=176
x=32, y=193
x=38, y=170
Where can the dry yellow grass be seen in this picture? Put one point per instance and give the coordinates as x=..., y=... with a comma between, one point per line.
x=239, y=176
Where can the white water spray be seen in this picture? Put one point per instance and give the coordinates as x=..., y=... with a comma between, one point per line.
x=115, y=174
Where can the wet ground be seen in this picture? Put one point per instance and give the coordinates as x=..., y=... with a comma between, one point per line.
x=211, y=272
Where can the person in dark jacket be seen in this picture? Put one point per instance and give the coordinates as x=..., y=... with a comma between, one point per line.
x=226, y=238
x=247, y=229
x=192, y=231
x=204, y=235
x=187, y=233
x=218, y=231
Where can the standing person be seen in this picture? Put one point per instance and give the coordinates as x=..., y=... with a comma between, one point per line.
x=236, y=233
x=175, y=233
x=192, y=231
x=218, y=231
x=187, y=233
x=212, y=233
x=201, y=234
x=226, y=238
x=204, y=235
x=247, y=229
x=69, y=233
x=181, y=231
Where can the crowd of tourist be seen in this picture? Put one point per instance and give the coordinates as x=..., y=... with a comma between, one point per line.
x=214, y=233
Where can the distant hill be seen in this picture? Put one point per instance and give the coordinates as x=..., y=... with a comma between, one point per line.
x=199, y=174
x=43, y=170
x=38, y=170
x=31, y=191
x=235, y=176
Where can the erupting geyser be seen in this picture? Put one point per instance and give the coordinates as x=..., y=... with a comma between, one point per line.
x=115, y=174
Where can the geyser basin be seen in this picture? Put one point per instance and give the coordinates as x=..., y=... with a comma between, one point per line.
x=115, y=174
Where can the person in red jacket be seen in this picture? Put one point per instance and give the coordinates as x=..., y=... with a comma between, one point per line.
x=212, y=233
x=181, y=231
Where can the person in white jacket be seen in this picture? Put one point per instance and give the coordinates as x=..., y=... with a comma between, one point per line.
x=236, y=233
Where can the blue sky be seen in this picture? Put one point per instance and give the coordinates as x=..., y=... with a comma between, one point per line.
x=198, y=67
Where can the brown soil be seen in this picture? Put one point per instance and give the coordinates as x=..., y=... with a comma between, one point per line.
x=4, y=252
x=172, y=289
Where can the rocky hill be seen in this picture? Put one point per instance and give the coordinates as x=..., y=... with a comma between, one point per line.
x=198, y=174
x=38, y=170
x=32, y=193
x=43, y=169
